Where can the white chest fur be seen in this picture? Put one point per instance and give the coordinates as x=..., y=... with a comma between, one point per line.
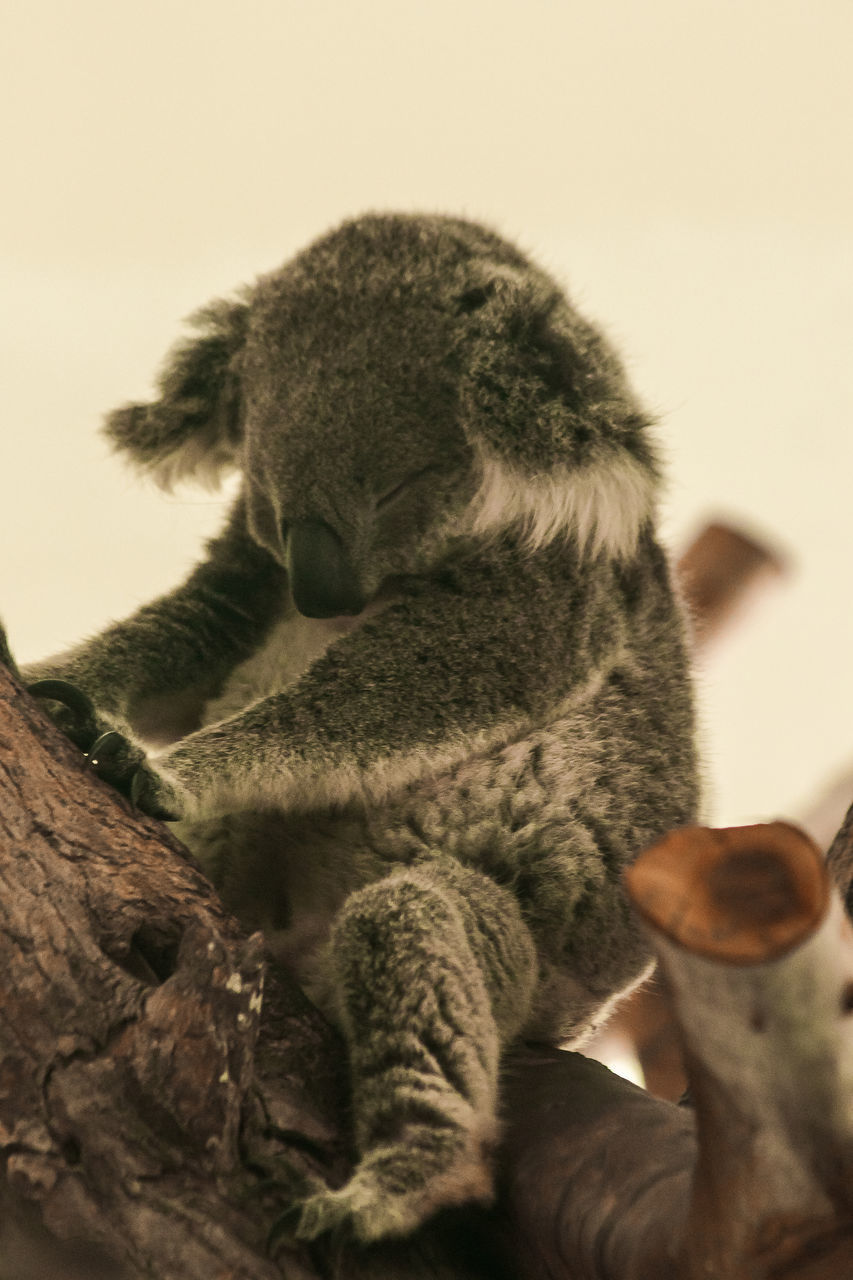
x=289, y=650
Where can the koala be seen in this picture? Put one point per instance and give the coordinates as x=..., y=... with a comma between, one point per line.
x=428, y=692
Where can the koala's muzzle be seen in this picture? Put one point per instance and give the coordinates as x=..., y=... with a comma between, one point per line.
x=321, y=577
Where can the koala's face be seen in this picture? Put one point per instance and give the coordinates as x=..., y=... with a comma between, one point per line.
x=405, y=384
x=356, y=462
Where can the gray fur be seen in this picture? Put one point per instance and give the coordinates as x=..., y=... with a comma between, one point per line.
x=427, y=791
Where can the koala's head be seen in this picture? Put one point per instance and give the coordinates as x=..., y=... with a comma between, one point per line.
x=404, y=386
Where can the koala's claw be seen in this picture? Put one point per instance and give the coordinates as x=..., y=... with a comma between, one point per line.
x=103, y=747
x=67, y=693
x=115, y=759
x=296, y=1185
x=80, y=723
x=119, y=762
x=112, y=755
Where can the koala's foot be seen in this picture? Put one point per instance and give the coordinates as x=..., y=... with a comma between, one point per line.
x=395, y=1189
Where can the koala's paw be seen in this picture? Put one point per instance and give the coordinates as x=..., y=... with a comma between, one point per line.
x=118, y=760
x=112, y=753
x=394, y=1190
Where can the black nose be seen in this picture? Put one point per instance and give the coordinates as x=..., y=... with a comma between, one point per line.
x=321, y=577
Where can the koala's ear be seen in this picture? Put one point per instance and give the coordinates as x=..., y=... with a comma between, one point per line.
x=193, y=429
x=563, y=444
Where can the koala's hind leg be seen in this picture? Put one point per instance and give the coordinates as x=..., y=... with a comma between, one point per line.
x=435, y=969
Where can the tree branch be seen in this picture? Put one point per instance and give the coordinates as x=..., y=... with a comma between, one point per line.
x=143, y=1097
x=606, y=1181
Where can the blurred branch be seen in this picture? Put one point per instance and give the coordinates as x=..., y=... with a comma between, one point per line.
x=722, y=570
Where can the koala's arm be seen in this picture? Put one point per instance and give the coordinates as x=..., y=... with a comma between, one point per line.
x=159, y=665
x=450, y=670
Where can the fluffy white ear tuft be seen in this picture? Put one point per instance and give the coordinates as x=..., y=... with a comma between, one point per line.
x=202, y=460
x=602, y=504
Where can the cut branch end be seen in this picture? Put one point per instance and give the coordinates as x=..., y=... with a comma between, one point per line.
x=740, y=895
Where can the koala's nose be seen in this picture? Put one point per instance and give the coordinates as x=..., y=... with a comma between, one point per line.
x=321, y=577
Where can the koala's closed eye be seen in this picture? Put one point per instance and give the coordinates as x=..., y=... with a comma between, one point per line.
x=398, y=490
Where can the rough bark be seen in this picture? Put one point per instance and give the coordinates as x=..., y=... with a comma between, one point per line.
x=150, y=1076
x=130, y=1015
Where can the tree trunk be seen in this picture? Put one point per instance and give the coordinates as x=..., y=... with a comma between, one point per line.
x=150, y=1074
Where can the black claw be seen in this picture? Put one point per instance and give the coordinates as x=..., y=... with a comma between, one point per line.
x=108, y=744
x=68, y=694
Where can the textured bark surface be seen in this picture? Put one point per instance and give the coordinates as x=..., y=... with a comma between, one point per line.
x=598, y=1173
x=129, y=1024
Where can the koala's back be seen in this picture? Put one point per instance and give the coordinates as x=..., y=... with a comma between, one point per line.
x=589, y=772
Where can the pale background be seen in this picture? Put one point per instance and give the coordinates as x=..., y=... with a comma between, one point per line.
x=684, y=166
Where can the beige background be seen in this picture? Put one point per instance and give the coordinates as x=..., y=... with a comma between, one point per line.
x=684, y=166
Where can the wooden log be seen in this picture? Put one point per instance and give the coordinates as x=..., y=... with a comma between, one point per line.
x=605, y=1182
x=757, y=953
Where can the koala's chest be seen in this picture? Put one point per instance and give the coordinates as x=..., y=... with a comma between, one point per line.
x=289, y=650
